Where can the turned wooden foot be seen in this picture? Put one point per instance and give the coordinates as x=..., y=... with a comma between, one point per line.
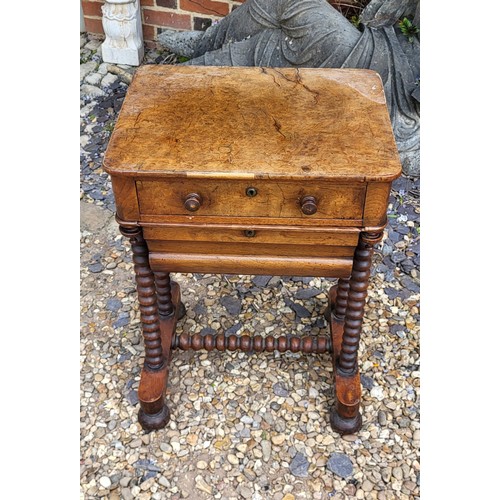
x=347, y=301
x=154, y=421
x=158, y=305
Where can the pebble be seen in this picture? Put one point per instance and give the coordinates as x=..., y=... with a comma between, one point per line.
x=245, y=492
x=367, y=486
x=105, y=482
x=223, y=444
x=192, y=439
x=96, y=267
x=93, y=44
x=307, y=293
x=250, y=474
x=201, y=464
x=133, y=397
x=397, y=472
x=103, y=69
x=93, y=78
x=340, y=464
x=288, y=496
x=164, y=481
x=261, y=281
x=280, y=390
x=114, y=305
x=202, y=485
x=328, y=440
x=125, y=481
x=233, y=459
x=147, y=484
x=91, y=90
x=367, y=382
x=299, y=465
x=109, y=79
x=313, y=393
x=136, y=443
x=279, y=439
x=232, y=304
x=86, y=68
x=127, y=494
x=350, y=490
x=382, y=418
x=266, y=450
x=377, y=392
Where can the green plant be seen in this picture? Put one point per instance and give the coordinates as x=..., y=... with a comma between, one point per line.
x=355, y=21
x=408, y=29
x=182, y=59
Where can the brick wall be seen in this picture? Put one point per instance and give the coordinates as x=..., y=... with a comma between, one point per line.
x=159, y=14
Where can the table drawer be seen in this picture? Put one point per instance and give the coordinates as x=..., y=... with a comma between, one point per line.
x=255, y=198
x=252, y=240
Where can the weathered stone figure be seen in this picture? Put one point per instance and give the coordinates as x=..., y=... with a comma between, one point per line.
x=311, y=33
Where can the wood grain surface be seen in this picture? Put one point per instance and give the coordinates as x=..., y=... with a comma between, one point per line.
x=228, y=198
x=250, y=264
x=251, y=123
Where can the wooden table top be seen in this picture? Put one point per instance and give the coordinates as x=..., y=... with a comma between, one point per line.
x=251, y=123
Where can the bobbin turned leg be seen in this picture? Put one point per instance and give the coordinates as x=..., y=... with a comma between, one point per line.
x=170, y=309
x=337, y=307
x=345, y=417
x=154, y=413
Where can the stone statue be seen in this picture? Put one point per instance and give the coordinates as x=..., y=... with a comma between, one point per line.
x=311, y=33
x=121, y=21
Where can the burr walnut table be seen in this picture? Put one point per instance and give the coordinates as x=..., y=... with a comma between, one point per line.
x=252, y=171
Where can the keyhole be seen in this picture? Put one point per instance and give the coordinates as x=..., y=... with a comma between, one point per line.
x=251, y=191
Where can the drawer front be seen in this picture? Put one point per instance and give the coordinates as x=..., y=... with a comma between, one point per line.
x=251, y=241
x=254, y=198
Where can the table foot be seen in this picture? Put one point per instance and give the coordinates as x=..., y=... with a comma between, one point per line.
x=155, y=421
x=345, y=425
x=154, y=413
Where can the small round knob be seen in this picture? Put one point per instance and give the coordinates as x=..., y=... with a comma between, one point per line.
x=308, y=205
x=249, y=233
x=193, y=202
x=251, y=192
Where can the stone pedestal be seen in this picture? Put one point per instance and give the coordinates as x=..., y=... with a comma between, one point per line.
x=121, y=20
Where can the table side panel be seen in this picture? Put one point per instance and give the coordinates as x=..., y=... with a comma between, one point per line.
x=250, y=249
x=125, y=193
x=220, y=233
x=252, y=241
x=335, y=267
x=376, y=202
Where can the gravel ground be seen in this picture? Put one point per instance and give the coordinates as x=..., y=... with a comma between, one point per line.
x=243, y=426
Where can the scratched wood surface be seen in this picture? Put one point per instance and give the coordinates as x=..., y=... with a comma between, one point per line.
x=250, y=123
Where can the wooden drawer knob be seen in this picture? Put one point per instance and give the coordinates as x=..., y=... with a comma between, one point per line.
x=308, y=205
x=193, y=202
